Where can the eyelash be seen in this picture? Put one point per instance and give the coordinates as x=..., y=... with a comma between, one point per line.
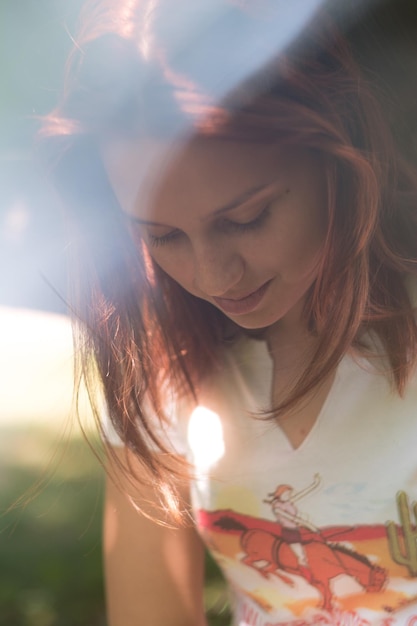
x=227, y=225
x=252, y=225
x=161, y=241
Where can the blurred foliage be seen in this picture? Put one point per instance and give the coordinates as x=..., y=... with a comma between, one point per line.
x=35, y=38
x=50, y=547
x=216, y=596
x=50, y=553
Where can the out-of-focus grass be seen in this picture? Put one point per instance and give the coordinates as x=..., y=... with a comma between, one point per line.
x=50, y=549
x=50, y=553
x=216, y=597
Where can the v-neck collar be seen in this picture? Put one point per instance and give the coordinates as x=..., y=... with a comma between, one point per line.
x=260, y=378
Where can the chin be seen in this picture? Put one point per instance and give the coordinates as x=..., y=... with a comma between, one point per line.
x=253, y=323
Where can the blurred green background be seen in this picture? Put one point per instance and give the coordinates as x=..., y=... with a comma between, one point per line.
x=50, y=552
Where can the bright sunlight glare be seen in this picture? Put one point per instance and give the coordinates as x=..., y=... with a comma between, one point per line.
x=205, y=437
x=36, y=369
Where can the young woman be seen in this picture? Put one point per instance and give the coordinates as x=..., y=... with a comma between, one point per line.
x=244, y=258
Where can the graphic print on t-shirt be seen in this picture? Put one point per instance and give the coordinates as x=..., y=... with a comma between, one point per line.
x=298, y=549
x=334, y=569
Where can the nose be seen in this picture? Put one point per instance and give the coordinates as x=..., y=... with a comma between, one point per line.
x=217, y=268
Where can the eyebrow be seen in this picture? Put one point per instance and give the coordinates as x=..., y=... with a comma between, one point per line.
x=234, y=204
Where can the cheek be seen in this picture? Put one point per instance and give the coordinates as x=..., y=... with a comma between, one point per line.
x=308, y=239
x=292, y=243
x=304, y=253
x=176, y=263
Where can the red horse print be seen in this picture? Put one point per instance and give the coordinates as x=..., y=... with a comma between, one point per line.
x=271, y=554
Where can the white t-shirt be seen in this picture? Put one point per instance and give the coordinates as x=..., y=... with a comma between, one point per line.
x=322, y=534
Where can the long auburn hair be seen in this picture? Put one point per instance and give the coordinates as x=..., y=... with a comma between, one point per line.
x=139, y=330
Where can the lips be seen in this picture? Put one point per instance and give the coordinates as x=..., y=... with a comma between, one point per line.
x=241, y=306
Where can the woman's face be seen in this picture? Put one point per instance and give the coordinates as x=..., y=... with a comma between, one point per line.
x=239, y=225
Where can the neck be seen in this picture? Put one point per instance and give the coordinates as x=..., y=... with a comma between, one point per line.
x=290, y=334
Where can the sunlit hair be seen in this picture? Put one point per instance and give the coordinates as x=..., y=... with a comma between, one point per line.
x=140, y=330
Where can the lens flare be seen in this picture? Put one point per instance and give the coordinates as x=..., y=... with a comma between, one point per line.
x=205, y=437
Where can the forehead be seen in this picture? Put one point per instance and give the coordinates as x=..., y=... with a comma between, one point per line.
x=209, y=173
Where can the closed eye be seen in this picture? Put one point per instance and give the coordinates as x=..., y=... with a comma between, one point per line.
x=170, y=237
x=253, y=224
x=224, y=225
